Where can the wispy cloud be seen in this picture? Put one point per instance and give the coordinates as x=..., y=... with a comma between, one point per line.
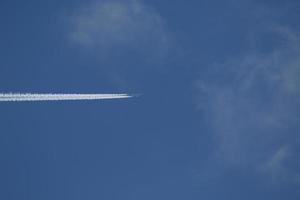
x=59, y=97
x=252, y=104
x=277, y=164
x=120, y=23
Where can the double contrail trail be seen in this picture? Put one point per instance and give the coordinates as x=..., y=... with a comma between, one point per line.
x=59, y=97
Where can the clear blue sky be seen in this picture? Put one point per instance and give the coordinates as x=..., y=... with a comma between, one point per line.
x=219, y=115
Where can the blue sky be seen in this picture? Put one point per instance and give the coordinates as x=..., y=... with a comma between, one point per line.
x=219, y=115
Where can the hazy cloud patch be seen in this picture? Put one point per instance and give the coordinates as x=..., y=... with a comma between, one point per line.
x=252, y=104
x=277, y=167
x=130, y=25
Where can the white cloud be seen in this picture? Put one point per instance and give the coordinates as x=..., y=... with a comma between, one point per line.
x=252, y=104
x=275, y=165
x=115, y=24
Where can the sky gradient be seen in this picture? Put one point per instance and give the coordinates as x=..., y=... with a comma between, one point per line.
x=218, y=117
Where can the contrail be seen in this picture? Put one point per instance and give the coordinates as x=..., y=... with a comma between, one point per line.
x=59, y=97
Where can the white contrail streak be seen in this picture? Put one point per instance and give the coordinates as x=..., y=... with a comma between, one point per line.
x=59, y=97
